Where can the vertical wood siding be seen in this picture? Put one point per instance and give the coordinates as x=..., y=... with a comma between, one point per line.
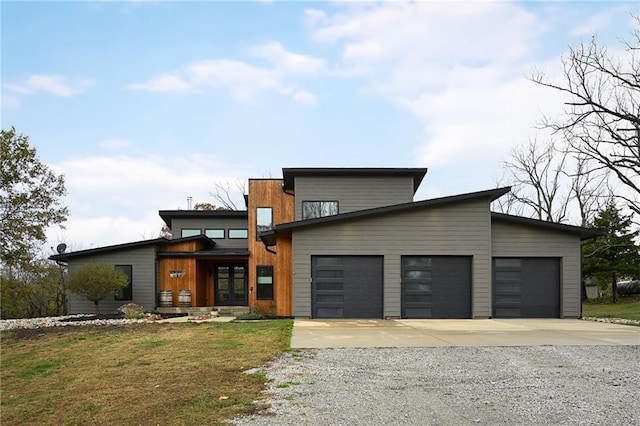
x=461, y=229
x=353, y=193
x=513, y=240
x=268, y=193
x=175, y=284
x=143, y=280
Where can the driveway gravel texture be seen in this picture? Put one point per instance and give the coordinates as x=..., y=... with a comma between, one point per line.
x=531, y=385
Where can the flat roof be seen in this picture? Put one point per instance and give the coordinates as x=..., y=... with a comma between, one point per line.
x=289, y=174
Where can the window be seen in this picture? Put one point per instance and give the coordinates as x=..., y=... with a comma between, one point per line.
x=264, y=220
x=238, y=233
x=127, y=292
x=214, y=233
x=190, y=232
x=313, y=209
x=265, y=282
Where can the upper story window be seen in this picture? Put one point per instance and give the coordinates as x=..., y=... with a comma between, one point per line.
x=264, y=219
x=190, y=232
x=214, y=233
x=313, y=209
x=238, y=233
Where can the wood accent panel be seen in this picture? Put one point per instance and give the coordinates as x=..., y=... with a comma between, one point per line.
x=269, y=193
x=175, y=284
x=183, y=246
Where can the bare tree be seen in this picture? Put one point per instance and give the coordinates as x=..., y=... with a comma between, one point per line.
x=223, y=193
x=550, y=183
x=536, y=171
x=590, y=188
x=602, y=116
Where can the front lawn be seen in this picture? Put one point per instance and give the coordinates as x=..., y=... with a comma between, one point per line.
x=626, y=308
x=147, y=374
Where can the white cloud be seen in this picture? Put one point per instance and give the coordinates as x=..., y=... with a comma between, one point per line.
x=304, y=97
x=163, y=83
x=600, y=21
x=288, y=62
x=314, y=16
x=56, y=85
x=115, y=199
x=459, y=68
x=244, y=81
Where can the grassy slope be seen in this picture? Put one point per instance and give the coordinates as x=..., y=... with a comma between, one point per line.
x=145, y=374
x=627, y=308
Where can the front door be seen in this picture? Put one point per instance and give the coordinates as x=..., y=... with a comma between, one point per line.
x=231, y=285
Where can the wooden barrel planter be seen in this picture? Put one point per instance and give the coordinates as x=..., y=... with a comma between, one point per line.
x=166, y=298
x=184, y=299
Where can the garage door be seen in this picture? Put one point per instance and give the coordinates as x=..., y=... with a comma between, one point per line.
x=526, y=287
x=346, y=286
x=436, y=287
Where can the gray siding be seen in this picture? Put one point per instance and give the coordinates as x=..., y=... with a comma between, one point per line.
x=353, y=193
x=219, y=223
x=143, y=282
x=511, y=240
x=456, y=229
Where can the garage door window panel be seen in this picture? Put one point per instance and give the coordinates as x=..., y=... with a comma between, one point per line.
x=347, y=286
x=436, y=287
x=526, y=287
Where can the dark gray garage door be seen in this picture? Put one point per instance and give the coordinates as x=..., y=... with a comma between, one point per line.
x=436, y=287
x=526, y=287
x=346, y=286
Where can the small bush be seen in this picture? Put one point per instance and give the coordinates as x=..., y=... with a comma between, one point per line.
x=251, y=315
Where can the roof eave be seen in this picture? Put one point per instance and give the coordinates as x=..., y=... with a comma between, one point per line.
x=584, y=233
x=490, y=195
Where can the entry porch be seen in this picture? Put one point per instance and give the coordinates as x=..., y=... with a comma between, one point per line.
x=203, y=280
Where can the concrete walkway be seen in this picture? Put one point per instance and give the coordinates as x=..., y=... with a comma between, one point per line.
x=489, y=332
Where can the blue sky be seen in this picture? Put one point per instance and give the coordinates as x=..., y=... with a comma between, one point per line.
x=141, y=104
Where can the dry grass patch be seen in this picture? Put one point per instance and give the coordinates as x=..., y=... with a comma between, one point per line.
x=136, y=374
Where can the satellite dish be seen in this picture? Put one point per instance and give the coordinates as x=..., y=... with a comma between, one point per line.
x=61, y=248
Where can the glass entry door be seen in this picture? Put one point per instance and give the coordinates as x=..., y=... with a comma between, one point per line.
x=231, y=285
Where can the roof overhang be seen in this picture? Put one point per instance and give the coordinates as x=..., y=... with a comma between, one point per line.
x=64, y=257
x=268, y=238
x=583, y=233
x=168, y=215
x=206, y=253
x=289, y=174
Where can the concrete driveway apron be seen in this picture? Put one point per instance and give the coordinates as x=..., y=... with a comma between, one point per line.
x=469, y=332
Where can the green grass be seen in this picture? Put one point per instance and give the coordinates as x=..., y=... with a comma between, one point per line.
x=147, y=374
x=626, y=308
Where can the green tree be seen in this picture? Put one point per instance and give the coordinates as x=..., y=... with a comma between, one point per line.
x=30, y=199
x=613, y=256
x=35, y=290
x=96, y=281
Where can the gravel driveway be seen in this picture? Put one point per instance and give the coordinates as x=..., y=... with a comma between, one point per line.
x=529, y=385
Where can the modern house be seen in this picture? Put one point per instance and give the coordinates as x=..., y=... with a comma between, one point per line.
x=352, y=243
